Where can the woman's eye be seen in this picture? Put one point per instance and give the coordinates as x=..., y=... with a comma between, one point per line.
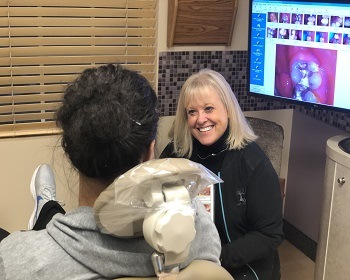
x=209, y=109
x=191, y=112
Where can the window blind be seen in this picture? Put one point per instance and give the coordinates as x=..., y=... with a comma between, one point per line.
x=46, y=44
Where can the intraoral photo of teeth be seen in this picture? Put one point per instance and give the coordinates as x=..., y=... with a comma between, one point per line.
x=305, y=74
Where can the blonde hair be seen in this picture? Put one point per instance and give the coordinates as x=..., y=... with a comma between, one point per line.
x=197, y=86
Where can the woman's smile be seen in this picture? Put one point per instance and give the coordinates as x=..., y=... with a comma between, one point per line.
x=205, y=129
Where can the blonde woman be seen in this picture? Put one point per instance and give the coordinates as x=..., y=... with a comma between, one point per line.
x=211, y=129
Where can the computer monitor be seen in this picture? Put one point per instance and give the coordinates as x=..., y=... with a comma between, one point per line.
x=299, y=51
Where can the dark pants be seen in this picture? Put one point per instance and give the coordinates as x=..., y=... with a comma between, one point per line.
x=50, y=209
x=3, y=234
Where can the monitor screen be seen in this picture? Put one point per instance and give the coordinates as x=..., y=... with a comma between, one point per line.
x=299, y=51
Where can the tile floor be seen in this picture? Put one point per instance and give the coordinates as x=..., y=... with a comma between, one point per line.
x=294, y=264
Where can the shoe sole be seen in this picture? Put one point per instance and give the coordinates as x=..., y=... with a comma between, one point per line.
x=33, y=192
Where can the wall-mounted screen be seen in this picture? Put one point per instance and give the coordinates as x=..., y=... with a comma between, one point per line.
x=299, y=51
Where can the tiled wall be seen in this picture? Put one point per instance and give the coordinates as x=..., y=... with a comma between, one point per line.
x=176, y=67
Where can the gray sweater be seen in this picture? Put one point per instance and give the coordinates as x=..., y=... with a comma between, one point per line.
x=72, y=247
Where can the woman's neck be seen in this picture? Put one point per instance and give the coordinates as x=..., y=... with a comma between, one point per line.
x=89, y=190
x=211, y=156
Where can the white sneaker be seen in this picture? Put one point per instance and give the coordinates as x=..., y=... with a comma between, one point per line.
x=43, y=189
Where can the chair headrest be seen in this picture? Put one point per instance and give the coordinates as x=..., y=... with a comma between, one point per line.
x=153, y=199
x=140, y=191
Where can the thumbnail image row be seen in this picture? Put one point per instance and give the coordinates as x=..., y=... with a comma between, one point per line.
x=309, y=19
x=311, y=36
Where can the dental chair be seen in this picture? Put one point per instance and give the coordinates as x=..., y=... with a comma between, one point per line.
x=153, y=200
x=271, y=136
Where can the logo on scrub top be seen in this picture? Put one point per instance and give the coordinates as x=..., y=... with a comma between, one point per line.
x=241, y=194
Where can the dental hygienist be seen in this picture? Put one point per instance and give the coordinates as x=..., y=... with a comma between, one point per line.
x=211, y=129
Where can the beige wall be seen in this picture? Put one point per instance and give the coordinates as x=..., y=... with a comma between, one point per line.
x=19, y=158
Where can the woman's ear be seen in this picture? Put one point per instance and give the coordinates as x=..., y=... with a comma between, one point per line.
x=150, y=153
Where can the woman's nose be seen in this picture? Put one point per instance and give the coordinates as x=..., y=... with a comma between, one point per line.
x=202, y=117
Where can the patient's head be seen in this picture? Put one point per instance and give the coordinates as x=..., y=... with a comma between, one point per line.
x=109, y=120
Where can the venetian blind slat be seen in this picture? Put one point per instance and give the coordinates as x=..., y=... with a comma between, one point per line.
x=80, y=50
x=46, y=44
x=28, y=129
x=48, y=70
x=110, y=12
x=148, y=4
x=82, y=41
x=49, y=79
x=28, y=107
x=24, y=22
x=76, y=31
x=21, y=98
x=82, y=60
x=29, y=117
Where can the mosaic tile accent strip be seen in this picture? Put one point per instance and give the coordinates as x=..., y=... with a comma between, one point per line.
x=176, y=67
x=301, y=241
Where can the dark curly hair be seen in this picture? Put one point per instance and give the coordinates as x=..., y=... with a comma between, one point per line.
x=108, y=117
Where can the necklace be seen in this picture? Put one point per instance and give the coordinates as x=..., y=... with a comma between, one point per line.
x=212, y=155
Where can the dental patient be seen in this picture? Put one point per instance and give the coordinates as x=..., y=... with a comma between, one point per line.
x=109, y=122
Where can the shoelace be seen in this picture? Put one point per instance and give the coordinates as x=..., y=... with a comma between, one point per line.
x=49, y=195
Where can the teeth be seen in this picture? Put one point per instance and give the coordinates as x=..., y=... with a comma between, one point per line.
x=315, y=80
x=203, y=129
x=307, y=78
x=310, y=96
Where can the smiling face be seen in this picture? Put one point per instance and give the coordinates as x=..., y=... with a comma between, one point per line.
x=207, y=117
